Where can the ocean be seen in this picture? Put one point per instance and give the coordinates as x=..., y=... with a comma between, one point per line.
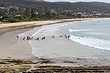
x=96, y=33
x=89, y=38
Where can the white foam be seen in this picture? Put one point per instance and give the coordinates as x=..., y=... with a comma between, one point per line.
x=95, y=33
x=93, y=42
x=71, y=30
x=47, y=30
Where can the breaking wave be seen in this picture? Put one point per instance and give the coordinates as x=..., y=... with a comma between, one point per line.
x=93, y=42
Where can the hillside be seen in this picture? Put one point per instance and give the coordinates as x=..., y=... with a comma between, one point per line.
x=34, y=10
x=59, y=7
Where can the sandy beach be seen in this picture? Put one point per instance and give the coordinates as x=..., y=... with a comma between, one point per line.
x=12, y=48
x=9, y=45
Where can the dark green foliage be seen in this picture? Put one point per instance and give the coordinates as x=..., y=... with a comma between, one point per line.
x=28, y=12
x=59, y=7
x=33, y=13
x=78, y=15
x=2, y=13
x=34, y=17
x=28, y=9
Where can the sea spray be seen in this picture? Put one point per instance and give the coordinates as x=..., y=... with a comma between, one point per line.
x=92, y=42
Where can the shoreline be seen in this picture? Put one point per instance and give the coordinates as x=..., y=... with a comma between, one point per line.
x=7, y=31
x=13, y=30
x=11, y=48
x=31, y=24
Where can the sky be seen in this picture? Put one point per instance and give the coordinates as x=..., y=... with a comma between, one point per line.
x=107, y=1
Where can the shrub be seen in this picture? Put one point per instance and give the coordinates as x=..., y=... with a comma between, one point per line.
x=4, y=20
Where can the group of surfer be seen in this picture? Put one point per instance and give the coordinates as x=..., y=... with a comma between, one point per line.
x=30, y=38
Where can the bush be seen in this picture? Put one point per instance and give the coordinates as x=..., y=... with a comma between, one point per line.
x=12, y=20
x=4, y=20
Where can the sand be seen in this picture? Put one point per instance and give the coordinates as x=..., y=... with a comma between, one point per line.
x=10, y=48
x=44, y=22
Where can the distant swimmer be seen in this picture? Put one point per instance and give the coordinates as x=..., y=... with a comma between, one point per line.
x=37, y=39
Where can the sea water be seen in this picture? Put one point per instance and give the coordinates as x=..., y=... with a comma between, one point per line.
x=92, y=38
x=95, y=33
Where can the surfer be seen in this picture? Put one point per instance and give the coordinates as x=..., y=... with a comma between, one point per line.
x=81, y=36
x=24, y=38
x=31, y=38
x=17, y=36
x=43, y=38
x=37, y=38
x=53, y=36
x=60, y=35
x=68, y=36
x=28, y=38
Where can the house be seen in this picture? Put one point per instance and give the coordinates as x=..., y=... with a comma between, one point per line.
x=0, y=16
x=1, y=8
x=98, y=14
x=37, y=13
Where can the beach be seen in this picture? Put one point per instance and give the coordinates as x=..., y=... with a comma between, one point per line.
x=11, y=30
x=9, y=43
x=13, y=48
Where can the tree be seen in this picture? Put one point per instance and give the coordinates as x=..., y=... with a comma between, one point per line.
x=2, y=13
x=79, y=15
x=33, y=13
x=28, y=12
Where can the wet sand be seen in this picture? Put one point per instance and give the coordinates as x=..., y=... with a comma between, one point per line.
x=12, y=48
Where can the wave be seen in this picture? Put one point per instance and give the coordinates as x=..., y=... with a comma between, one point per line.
x=71, y=30
x=46, y=30
x=96, y=33
x=49, y=29
x=93, y=42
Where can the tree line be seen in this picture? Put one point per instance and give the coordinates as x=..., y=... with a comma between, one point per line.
x=48, y=10
x=30, y=15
